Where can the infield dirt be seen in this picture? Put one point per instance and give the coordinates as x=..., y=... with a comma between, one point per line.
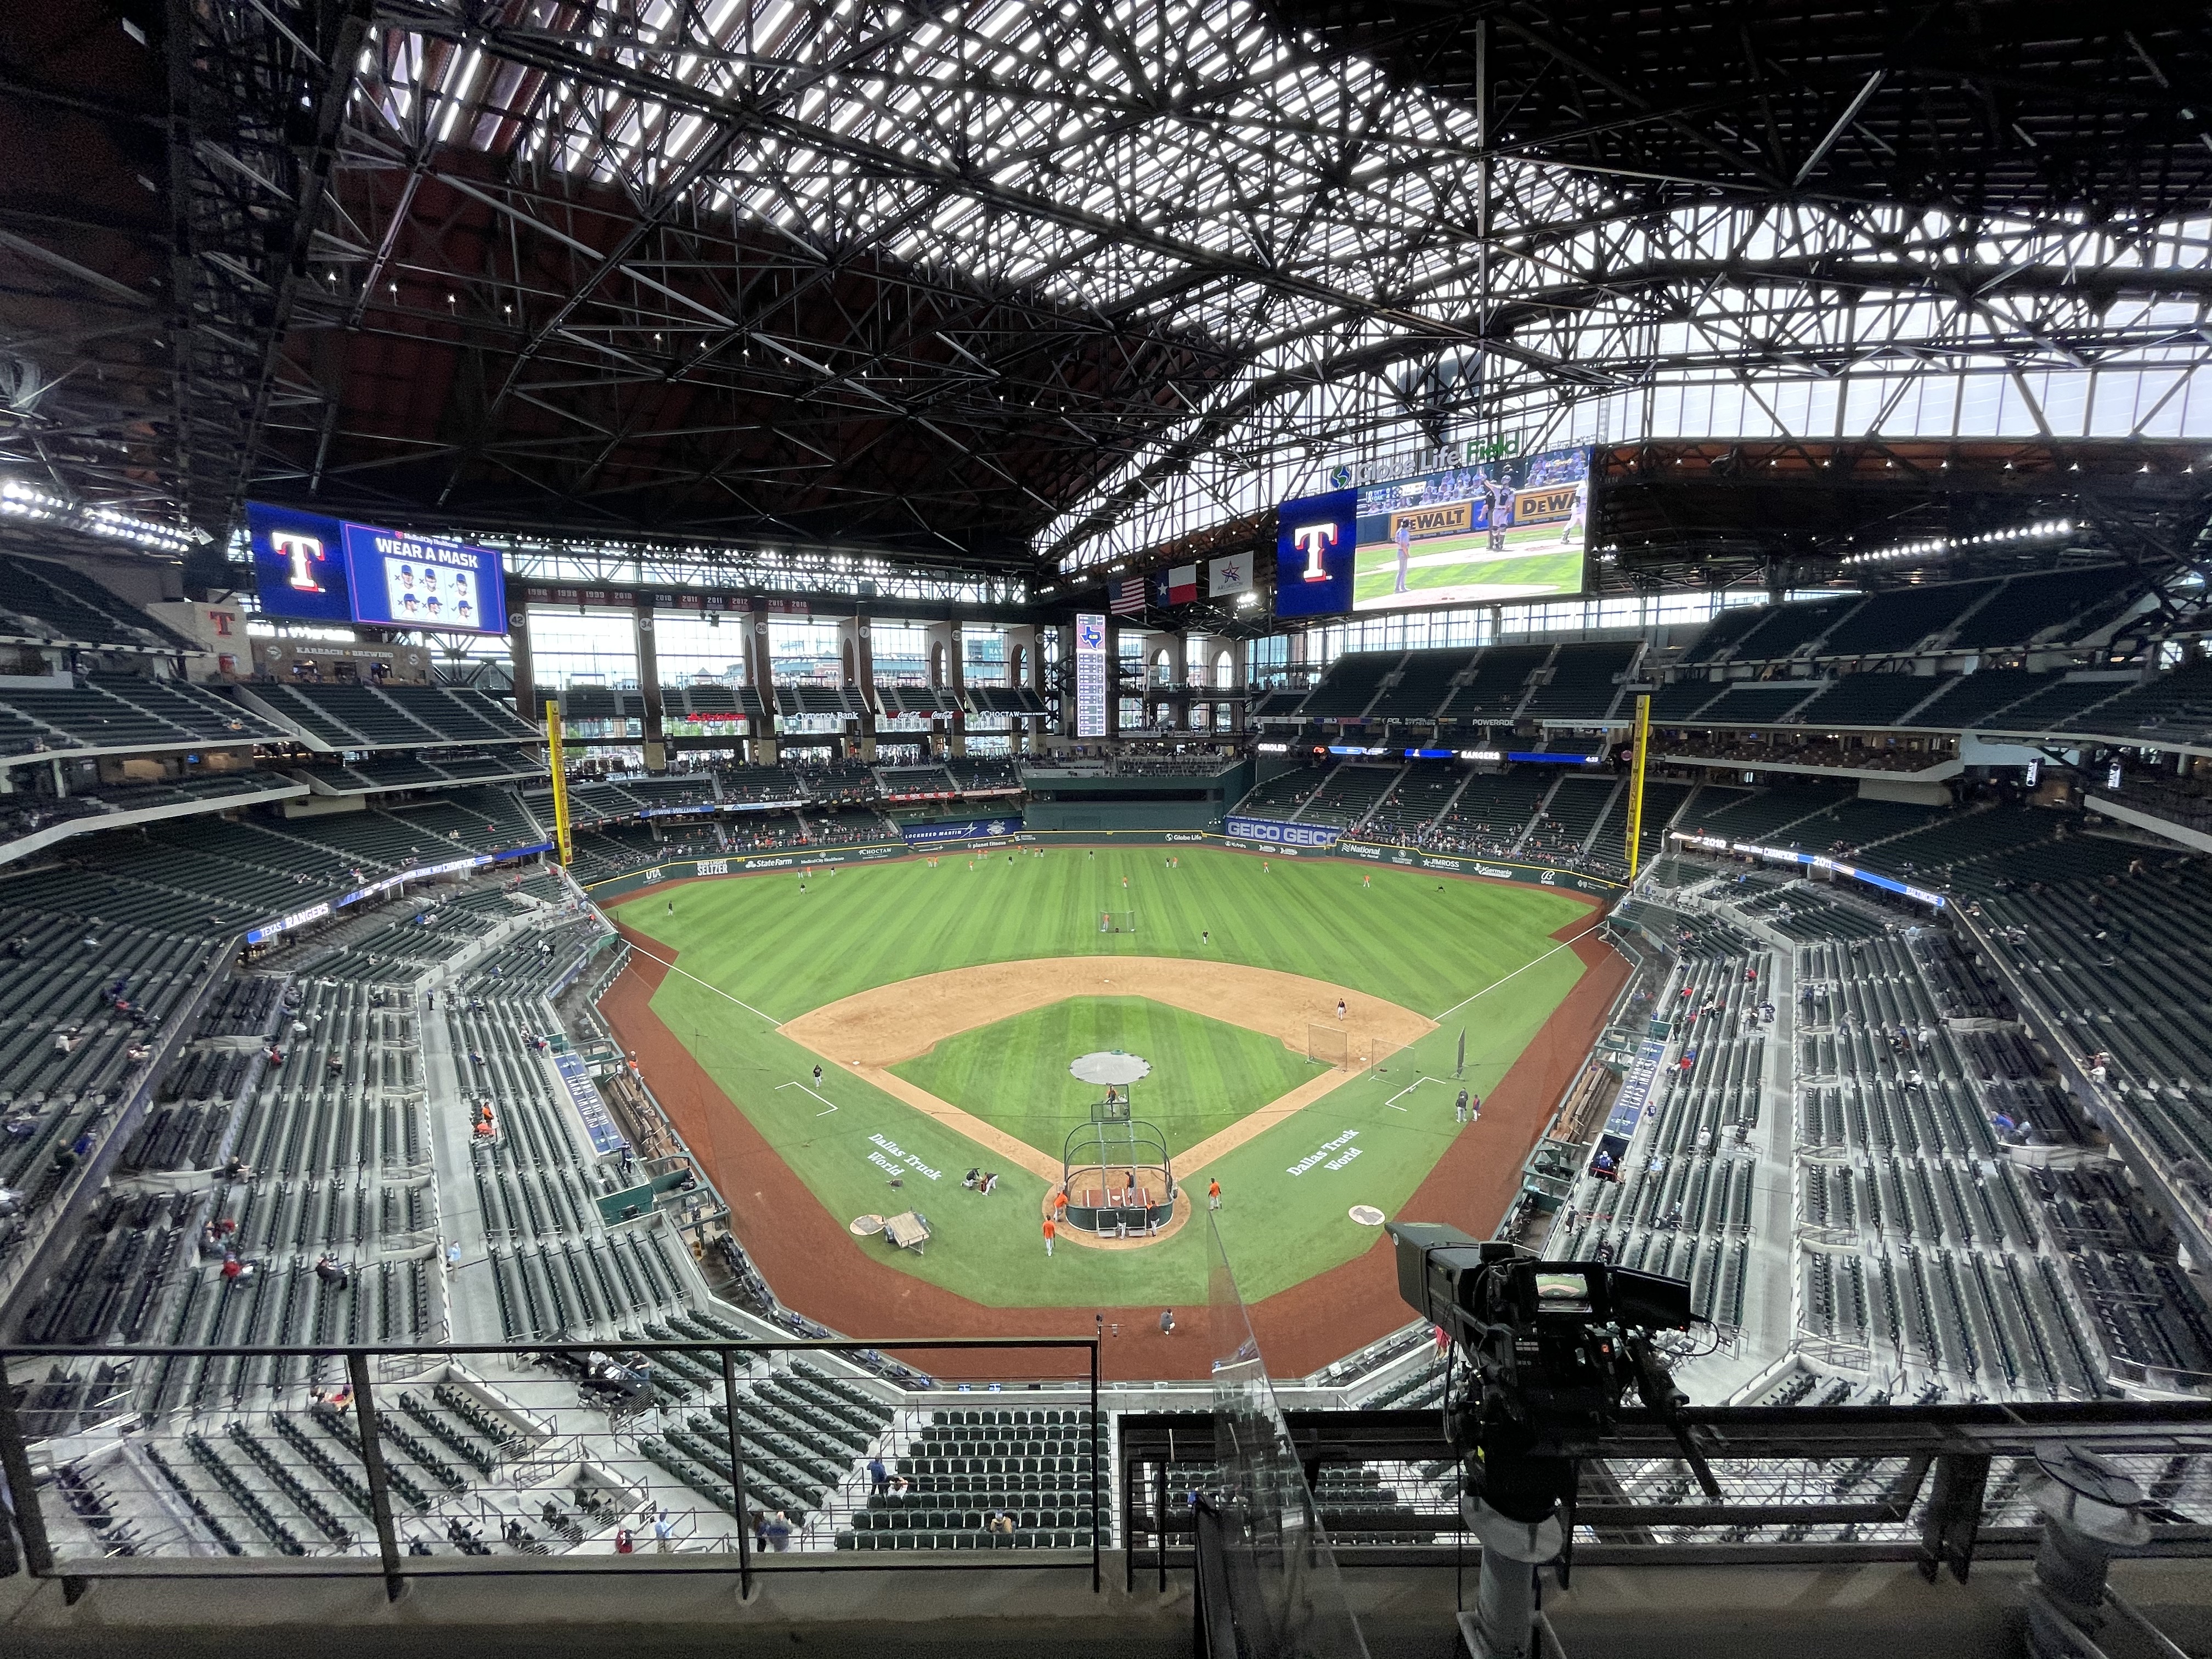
x=872, y=1030
x=818, y=1268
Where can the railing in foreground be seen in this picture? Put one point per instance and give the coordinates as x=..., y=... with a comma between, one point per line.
x=737, y=1456
x=1937, y=1485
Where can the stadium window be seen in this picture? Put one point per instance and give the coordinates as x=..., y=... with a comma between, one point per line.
x=599, y=647
x=1225, y=670
x=802, y=653
x=901, y=651
x=983, y=655
x=690, y=648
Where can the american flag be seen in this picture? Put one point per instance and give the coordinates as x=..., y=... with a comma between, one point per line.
x=1125, y=598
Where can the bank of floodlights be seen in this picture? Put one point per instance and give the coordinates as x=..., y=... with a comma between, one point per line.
x=1935, y=546
x=27, y=503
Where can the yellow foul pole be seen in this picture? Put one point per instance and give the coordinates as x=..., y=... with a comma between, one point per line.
x=562, y=838
x=1635, y=779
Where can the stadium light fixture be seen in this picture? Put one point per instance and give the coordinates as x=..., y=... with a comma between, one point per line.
x=29, y=504
x=1936, y=546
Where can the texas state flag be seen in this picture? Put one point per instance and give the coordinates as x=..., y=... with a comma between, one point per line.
x=1182, y=584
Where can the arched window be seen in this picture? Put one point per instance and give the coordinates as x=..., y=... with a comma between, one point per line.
x=1160, y=667
x=1225, y=670
x=1018, y=674
x=852, y=674
x=937, y=664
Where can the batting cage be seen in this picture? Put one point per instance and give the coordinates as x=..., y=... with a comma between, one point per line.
x=1115, y=1171
x=1117, y=921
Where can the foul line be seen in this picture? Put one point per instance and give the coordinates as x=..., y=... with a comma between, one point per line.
x=825, y=1099
x=1440, y=1018
x=1393, y=1102
x=709, y=984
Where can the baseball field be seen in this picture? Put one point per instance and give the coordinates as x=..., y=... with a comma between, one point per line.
x=943, y=1002
x=1461, y=570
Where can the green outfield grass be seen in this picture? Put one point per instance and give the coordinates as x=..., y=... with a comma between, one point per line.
x=763, y=951
x=1014, y=1074
x=1535, y=563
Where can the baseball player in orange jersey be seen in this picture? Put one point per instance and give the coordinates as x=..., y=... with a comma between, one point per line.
x=1049, y=1229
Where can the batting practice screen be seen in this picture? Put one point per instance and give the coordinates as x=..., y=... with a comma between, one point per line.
x=1117, y=921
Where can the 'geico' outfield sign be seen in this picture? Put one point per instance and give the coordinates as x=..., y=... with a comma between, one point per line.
x=1275, y=832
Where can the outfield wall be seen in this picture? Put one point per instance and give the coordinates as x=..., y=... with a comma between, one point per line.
x=1540, y=875
x=1078, y=816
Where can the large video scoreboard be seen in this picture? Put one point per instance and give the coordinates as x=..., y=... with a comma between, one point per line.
x=1487, y=531
x=318, y=569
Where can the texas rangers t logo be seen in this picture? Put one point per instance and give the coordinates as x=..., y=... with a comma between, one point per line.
x=1313, y=540
x=298, y=550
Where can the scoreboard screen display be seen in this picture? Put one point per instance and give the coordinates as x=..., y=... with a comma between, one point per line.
x=318, y=569
x=1512, y=529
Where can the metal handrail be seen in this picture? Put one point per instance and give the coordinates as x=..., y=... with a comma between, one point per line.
x=1932, y=1521
x=362, y=1363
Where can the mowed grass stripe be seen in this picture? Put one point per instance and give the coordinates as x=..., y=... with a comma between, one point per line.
x=1410, y=939
x=1206, y=1073
x=761, y=939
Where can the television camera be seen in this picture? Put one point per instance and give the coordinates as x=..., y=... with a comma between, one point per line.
x=1549, y=1350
